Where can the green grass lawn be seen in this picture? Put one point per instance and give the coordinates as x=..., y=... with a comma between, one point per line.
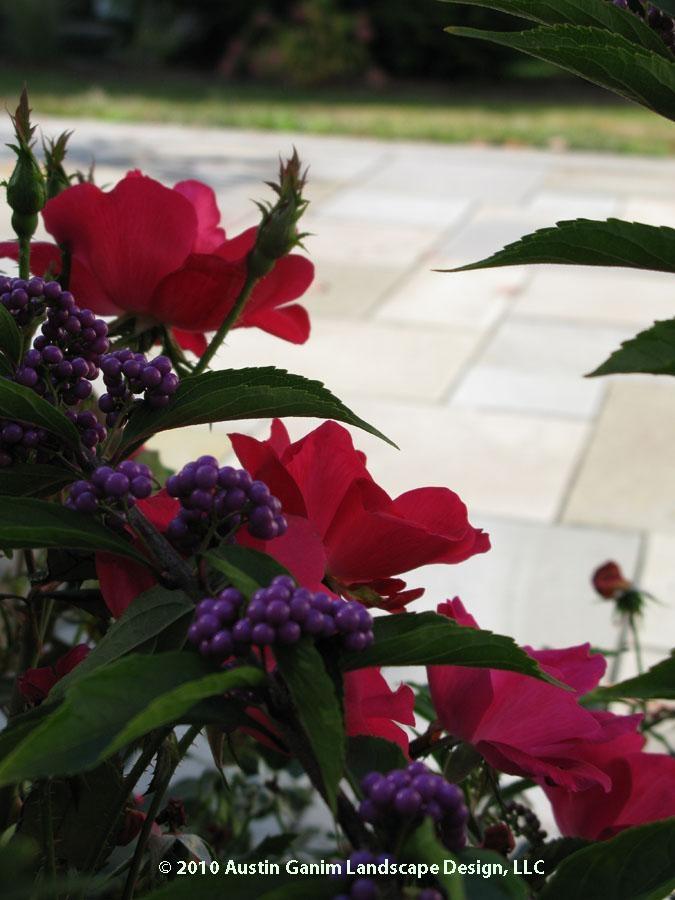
x=549, y=112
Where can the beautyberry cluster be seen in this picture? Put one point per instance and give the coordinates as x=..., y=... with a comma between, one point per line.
x=65, y=357
x=659, y=21
x=92, y=432
x=278, y=614
x=412, y=793
x=123, y=485
x=126, y=374
x=17, y=440
x=26, y=298
x=60, y=366
x=220, y=500
x=360, y=886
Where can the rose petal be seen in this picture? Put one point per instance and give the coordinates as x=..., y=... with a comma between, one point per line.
x=209, y=233
x=130, y=237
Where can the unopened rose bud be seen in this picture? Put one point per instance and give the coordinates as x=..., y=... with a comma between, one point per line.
x=498, y=837
x=26, y=194
x=609, y=581
x=278, y=232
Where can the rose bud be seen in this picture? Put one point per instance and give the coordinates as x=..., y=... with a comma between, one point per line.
x=130, y=826
x=609, y=581
x=499, y=838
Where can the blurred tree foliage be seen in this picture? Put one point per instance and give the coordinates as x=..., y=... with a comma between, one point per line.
x=299, y=42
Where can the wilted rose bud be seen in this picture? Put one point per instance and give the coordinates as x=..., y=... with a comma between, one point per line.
x=278, y=233
x=609, y=581
x=132, y=823
x=173, y=815
x=498, y=837
x=26, y=194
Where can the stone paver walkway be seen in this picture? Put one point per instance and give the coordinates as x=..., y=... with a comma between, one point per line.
x=477, y=376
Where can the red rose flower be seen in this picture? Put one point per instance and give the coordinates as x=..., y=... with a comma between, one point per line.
x=643, y=789
x=160, y=253
x=366, y=536
x=524, y=726
x=35, y=684
x=373, y=709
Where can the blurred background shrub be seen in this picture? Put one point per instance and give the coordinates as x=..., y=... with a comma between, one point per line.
x=297, y=42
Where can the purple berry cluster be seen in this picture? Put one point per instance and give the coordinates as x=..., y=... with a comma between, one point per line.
x=27, y=298
x=660, y=22
x=281, y=613
x=60, y=366
x=220, y=500
x=92, y=432
x=126, y=374
x=359, y=886
x=17, y=441
x=412, y=793
x=123, y=485
x=65, y=357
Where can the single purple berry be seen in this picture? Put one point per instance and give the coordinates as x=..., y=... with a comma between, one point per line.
x=289, y=633
x=117, y=485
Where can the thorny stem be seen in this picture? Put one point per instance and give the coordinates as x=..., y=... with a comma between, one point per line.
x=227, y=323
x=169, y=560
x=158, y=796
x=24, y=258
x=636, y=643
x=47, y=827
x=351, y=823
x=620, y=647
x=66, y=262
x=494, y=784
x=128, y=786
x=29, y=640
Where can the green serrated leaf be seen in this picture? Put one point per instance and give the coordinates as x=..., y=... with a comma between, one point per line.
x=429, y=639
x=596, y=13
x=151, y=614
x=113, y=706
x=36, y=523
x=77, y=805
x=373, y=754
x=20, y=403
x=11, y=342
x=651, y=351
x=245, y=569
x=637, y=864
x=318, y=709
x=33, y=480
x=254, y=393
x=609, y=60
x=584, y=242
x=657, y=683
x=424, y=847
